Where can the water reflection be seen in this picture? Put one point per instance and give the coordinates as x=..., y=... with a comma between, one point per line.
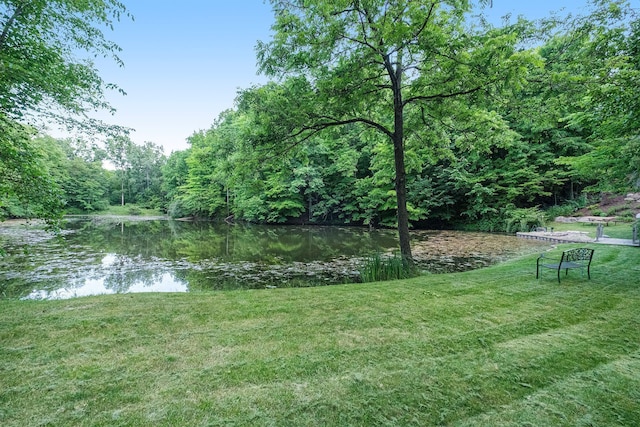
x=166, y=282
x=103, y=255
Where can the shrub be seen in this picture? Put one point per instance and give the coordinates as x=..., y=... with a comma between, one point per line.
x=135, y=210
x=555, y=211
x=523, y=219
x=488, y=224
x=565, y=209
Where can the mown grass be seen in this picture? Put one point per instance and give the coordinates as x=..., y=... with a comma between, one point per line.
x=492, y=347
x=619, y=230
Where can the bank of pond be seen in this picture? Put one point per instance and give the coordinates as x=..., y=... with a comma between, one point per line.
x=110, y=254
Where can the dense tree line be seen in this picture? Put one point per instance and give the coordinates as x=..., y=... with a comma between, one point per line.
x=472, y=123
x=560, y=123
x=79, y=175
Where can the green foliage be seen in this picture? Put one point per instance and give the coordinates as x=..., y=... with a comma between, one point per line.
x=606, y=64
x=487, y=224
x=134, y=210
x=51, y=77
x=565, y=209
x=145, y=175
x=43, y=79
x=77, y=168
x=523, y=219
x=174, y=175
x=558, y=210
x=315, y=146
x=139, y=171
x=378, y=268
x=176, y=210
x=362, y=64
x=129, y=209
x=27, y=188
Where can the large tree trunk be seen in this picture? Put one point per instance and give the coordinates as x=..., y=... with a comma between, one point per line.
x=401, y=196
x=401, y=175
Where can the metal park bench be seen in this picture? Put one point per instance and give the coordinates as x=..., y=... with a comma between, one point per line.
x=574, y=258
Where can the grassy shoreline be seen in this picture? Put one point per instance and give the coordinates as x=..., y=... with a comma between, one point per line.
x=486, y=347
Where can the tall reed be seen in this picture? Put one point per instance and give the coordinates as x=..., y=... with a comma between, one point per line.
x=380, y=267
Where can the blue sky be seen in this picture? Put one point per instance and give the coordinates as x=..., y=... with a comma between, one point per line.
x=185, y=60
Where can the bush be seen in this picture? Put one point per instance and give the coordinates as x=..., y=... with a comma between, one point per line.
x=568, y=208
x=523, y=219
x=555, y=211
x=134, y=210
x=489, y=224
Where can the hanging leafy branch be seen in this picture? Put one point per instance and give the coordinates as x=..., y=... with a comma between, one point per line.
x=43, y=80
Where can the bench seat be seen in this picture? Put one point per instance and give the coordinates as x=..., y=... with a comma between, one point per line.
x=573, y=258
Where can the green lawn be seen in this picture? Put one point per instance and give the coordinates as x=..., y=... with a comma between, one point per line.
x=620, y=230
x=492, y=347
x=129, y=209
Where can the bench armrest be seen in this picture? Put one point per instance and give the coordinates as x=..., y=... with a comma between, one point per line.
x=544, y=256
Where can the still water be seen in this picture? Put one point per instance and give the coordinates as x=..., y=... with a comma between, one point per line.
x=101, y=255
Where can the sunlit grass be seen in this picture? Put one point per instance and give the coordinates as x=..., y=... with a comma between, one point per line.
x=130, y=209
x=489, y=347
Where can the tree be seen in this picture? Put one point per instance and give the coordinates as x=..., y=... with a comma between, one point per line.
x=145, y=175
x=118, y=150
x=206, y=190
x=27, y=189
x=174, y=175
x=76, y=167
x=39, y=44
x=42, y=79
x=394, y=66
x=605, y=65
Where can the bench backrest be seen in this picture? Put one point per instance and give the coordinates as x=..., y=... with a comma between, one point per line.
x=580, y=254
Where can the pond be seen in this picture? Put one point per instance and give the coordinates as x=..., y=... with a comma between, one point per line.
x=100, y=255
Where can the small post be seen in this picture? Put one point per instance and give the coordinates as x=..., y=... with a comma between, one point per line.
x=599, y=232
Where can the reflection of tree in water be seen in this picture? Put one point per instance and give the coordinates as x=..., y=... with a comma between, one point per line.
x=119, y=255
x=39, y=260
x=123, y=272
x=205, y=240
x=273, y=244
x=139, y=238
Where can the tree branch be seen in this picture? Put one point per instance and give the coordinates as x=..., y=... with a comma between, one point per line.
x=307, y=132
x=441, y=95
x=9, y=24
x=422, y=27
